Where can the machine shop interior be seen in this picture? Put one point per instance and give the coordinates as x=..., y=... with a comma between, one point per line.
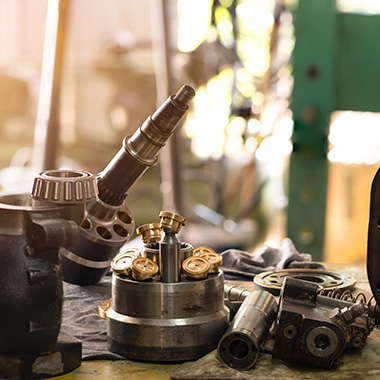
x=189, y=190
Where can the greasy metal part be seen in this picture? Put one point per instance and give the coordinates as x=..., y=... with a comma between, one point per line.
x=122, y=262
x=235, y=293
x=213, y=258
x=272, y=281
x=151, y=251
x=150, y=233
x=109, y=223
x=140, y=150
x=166, y=322
x=144, y=269
x=239, y=347
x=103, y=307
x=64, y=186
x=313, y=329
x=196, y=268
x=32, y=230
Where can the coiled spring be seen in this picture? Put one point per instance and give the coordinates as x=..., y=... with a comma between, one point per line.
x=347, y=295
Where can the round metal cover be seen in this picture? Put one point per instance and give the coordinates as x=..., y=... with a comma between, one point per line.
x=150, y=233
x=122, y=263
x=213, y=258
x=272, y=280
x=196, y=268
x=144, y=269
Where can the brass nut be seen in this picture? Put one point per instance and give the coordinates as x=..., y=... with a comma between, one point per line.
x=196, y=268
x=122, y=263
x=103, y=307
x=144, y=269
x=172, y=221
x=212, y=257
x=150, y=233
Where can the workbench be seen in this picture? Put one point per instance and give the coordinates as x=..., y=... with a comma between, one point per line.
x=353, y=363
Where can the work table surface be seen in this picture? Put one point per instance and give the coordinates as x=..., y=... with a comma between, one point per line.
x=354, y=364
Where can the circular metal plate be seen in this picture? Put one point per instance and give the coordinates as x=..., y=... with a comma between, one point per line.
x=272, y=280
x=171, y=221
x=144, y=269
x=122, y=263
x=213, y=258
x=196, y=268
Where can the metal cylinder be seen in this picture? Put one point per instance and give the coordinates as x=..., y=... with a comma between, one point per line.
x=169, y=258
x=167, y=322
x=239, y=347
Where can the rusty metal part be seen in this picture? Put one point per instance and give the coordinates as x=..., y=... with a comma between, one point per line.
x=150, y=233
x=196, y=268
x=272, y=281
x=313, y=329
x=166, y=322
x=103, y=307
x=171, y=221
x=109, y=223
x=144, y=269
x=32, y=231
x=213, y=258
x=202, y=249
x=239, y=347
x=122, y=262
x=64, y=186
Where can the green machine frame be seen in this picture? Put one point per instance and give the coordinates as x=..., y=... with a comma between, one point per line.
x=336, y=67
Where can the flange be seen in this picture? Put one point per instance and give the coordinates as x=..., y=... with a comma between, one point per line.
x=272, y=280
x=144, y=269
x=150, y=233
x=212, y=257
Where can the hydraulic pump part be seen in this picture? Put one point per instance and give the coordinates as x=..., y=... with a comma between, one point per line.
x=171, y=221
x=150, y=233
x=239, y=347
x=202, y=249
x=213, y=258
x=144, y=269
x=109, y=223
x=151, y=251
x=166, y=322
x=196, y=268
x=122, y=263
x=65, y=186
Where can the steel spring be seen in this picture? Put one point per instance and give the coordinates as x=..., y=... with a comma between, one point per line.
x=373, y=308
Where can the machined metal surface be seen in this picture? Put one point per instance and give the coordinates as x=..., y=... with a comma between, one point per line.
x=213, y=258
x=272, y=281
x=144, y=269
x=122, y=263
x=150, y=233
x=239, y=347
x=196, y=268
x=65, y=186
x=156, y=321
x=151, y=250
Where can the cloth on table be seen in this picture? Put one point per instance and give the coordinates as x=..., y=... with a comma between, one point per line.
x=240, y=265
